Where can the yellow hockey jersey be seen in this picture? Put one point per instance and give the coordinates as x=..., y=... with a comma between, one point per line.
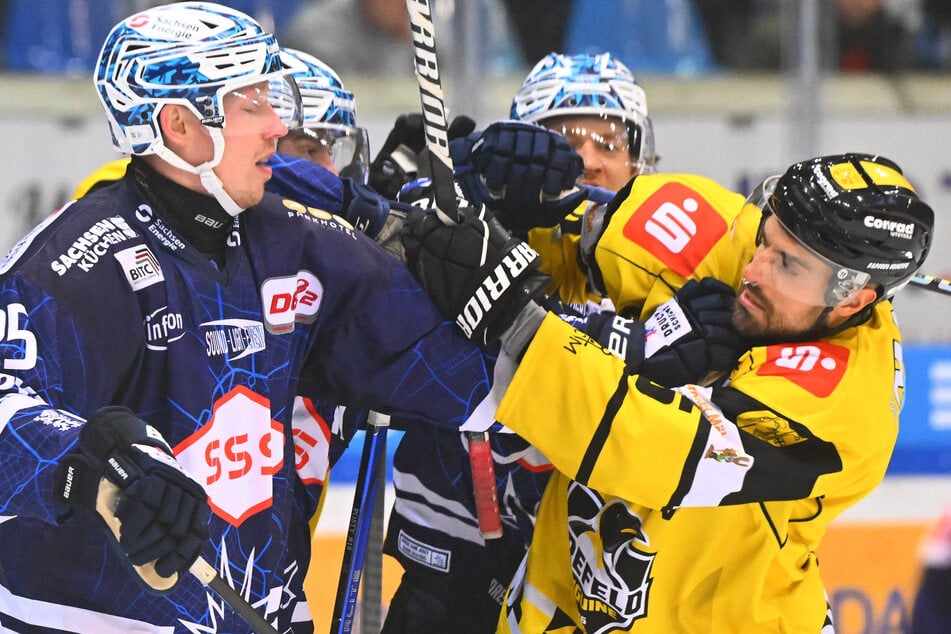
x=696, y=509
x=669, y=228
x=558, y=249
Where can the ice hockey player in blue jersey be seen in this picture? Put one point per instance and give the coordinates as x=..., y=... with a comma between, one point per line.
x=157, y=337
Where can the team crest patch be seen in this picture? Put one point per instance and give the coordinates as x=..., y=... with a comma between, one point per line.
x=610, y=562
x=678, y=226
x=816, y=367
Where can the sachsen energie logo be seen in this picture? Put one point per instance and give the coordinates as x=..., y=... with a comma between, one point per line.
x=677, y=225
x=816, y=367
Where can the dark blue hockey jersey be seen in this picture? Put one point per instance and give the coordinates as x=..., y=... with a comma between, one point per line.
x=236, y=366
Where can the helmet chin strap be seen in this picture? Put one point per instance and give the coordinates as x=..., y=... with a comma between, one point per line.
x=205, y=171
x=212, y=184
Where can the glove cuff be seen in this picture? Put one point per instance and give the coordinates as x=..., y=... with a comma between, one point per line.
x=76, y=484
x=484, y=319
x=516, y=339
x=667, y=324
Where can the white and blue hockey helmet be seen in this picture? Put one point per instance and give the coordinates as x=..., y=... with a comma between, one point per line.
x=328, y=114
x=188, y=53
x=588, y=85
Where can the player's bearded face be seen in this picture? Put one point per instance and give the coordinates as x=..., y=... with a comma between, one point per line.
x=251, y=131
x=782, y=297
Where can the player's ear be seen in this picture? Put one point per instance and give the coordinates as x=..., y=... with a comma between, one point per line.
x=173, y=124
x=184, y=134
x=857, y=302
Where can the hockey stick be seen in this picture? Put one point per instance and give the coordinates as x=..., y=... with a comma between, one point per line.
x=435, y=128
x=435, y=121
x=361, y=517
x=106, y=501
x=371, y=591
x=932, y=283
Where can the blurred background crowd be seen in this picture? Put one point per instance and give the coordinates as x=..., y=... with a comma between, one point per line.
x=666, y=36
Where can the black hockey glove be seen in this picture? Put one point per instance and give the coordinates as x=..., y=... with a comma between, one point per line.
x=163, y=513
x=682, y=342
x=398, y=161
x=475, y=271
x=526, y=174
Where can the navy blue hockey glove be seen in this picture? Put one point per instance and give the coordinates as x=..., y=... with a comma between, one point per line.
x=363, y=208
x=475, y=271
x=162, y=512
x=526, y=174
x=683, y=341
x=399, y=161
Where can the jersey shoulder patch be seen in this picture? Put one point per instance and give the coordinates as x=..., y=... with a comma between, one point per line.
x=677, y=225
x=816, y=367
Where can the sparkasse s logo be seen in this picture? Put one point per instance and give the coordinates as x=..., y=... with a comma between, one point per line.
x=816, y=367
x=677, y=225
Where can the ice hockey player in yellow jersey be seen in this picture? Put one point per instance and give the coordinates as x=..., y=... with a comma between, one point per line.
x=699, y=509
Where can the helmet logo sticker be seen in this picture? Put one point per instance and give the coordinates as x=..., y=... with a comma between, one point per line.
x=823, y=182
x=678, y=226
x=897, y=229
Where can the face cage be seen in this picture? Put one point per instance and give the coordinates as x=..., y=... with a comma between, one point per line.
x=846, y=282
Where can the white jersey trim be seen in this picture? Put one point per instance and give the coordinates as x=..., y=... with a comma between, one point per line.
x=66, y=618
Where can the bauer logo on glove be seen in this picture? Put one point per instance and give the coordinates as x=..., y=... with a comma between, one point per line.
x=685, y=340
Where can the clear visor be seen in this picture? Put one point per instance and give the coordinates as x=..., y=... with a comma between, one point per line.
x=342, y=149
x=608, y=137
x=789, y=269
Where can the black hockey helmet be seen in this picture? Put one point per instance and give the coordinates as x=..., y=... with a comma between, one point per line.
x=859, y=212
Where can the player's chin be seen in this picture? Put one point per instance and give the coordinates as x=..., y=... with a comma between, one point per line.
x=745, y=323
x=250, y=196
